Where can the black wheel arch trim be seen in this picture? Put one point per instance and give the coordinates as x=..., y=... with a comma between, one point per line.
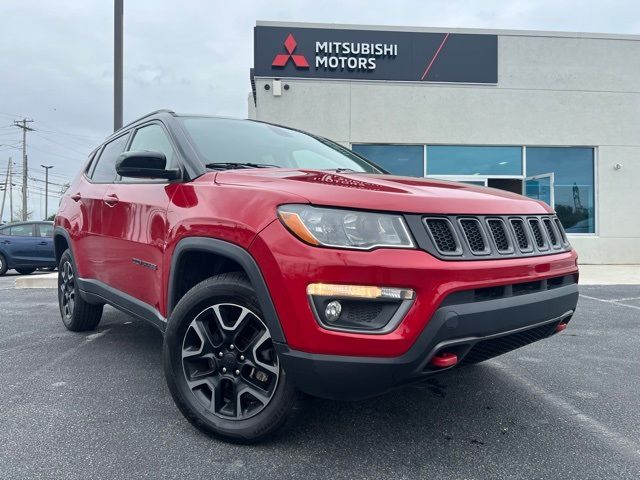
x=240, y=256
x=61, y=232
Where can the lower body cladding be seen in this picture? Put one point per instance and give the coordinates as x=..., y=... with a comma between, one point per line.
x=468, y=327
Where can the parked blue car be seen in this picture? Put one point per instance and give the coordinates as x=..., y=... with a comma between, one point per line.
x=26, y=246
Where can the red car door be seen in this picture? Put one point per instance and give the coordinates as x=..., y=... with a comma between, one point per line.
x=84, y=205
x=134, y=224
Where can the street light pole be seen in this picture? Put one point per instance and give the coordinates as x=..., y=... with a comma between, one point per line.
x=46, y=189
x=118, y=30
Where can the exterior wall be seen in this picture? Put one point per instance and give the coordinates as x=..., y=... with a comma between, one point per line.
x=553, y=89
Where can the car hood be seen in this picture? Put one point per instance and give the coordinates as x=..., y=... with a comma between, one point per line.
x=384, y=192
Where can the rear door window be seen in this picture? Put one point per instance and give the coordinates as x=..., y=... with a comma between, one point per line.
x=105, y=169
x=45, y=230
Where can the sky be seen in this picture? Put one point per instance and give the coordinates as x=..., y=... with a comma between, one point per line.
x=56, y=60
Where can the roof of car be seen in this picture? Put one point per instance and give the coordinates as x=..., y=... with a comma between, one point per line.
x=28, y=222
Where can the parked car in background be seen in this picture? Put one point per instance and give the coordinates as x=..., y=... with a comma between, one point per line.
x=26, y=246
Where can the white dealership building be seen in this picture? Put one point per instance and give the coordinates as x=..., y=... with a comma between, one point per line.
x=551, y=115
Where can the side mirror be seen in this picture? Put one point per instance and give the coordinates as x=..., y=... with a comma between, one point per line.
x=145, y=164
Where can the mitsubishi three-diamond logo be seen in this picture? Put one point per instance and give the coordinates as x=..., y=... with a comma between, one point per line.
x=282, y=59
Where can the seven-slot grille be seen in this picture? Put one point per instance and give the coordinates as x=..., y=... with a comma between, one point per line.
x=497, y=236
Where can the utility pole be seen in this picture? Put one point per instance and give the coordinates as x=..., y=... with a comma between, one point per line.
x=46, y=189
x=4, y=192
x=118, y=14
x=10, y=191
x=23, y=125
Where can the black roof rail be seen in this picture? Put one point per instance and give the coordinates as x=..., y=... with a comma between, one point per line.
x=162, y=110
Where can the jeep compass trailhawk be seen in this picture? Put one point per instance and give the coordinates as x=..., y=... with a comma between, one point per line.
x=275, y=261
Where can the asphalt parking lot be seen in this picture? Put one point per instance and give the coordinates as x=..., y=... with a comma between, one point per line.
x=95, y=405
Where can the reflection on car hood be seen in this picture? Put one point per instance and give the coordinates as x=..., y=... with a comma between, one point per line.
x=384, y=192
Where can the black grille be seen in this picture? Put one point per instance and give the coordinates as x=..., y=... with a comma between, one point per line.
x=537, y=232
x=475, y=237
x=493, y=347
x=473, y=234
x=442, y=234
x=360, y=312
x=550, y=232
x=521, y=235
x=561, y=230
x=499, y=234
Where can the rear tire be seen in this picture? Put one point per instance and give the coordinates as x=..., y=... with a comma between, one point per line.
x=220, y=363
x=77, y=314
x=3, y=265
x=25, y=271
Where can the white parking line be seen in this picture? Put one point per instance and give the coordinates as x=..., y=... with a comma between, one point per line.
x=613, y=302
x=616, y=440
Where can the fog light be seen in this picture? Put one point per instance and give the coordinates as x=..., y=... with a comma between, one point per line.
x=333, y=310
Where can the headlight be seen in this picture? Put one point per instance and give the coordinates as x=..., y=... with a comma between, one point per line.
x=330, y=227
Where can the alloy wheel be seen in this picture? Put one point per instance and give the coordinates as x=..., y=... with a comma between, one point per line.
x=67, y=289
x=229, y=361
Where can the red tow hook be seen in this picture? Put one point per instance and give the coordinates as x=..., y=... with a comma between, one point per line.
x=444, y=359
x=561, y=326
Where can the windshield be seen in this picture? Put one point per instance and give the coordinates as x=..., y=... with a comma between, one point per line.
x=228, y=142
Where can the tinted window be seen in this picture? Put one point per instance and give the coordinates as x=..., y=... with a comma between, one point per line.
x=397, y=159
x=21, y=230
x=573, y=183
x=45, y=230
x=153, y=138
x=239, y=141
x=105, y=170
x=473, y=160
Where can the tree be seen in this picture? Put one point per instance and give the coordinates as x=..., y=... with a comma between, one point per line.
x=18, y=213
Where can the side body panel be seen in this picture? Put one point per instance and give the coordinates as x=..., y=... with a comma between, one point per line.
x=132, y=239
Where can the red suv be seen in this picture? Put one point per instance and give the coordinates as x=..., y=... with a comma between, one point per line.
x=274, y=261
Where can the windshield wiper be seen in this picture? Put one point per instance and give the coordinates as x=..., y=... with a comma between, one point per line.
x=230, y=165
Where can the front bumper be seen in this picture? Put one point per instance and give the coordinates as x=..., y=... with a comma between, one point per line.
x=289, y=266
x=474, y=329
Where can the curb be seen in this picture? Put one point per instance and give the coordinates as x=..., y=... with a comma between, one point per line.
x=48, y=280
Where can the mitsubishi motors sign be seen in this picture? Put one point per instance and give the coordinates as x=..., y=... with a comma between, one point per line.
x=375, y=55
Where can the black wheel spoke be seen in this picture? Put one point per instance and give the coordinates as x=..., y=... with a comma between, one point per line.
x=67, y=289
x=229, y=361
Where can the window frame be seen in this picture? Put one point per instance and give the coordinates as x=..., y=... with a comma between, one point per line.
x=99, y=152
x=142, y=181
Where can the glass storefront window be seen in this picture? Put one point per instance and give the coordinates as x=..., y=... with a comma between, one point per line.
x=396, y=159
x=473, y=160
x=573, y=179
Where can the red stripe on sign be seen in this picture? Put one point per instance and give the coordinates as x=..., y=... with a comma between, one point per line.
x=426, y=70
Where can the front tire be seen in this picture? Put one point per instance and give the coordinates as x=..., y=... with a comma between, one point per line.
x=3, y=265
x=220, y=363
x=77, y=314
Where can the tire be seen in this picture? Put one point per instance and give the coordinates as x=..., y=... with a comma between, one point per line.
x=3, y=265
x=25, y=271
x=77, y=314
x=237, y=392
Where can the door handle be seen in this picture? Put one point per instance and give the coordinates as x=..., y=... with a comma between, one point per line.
x=76, y=197
x=42, y=243
x=6, y=242
x=111, y=199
